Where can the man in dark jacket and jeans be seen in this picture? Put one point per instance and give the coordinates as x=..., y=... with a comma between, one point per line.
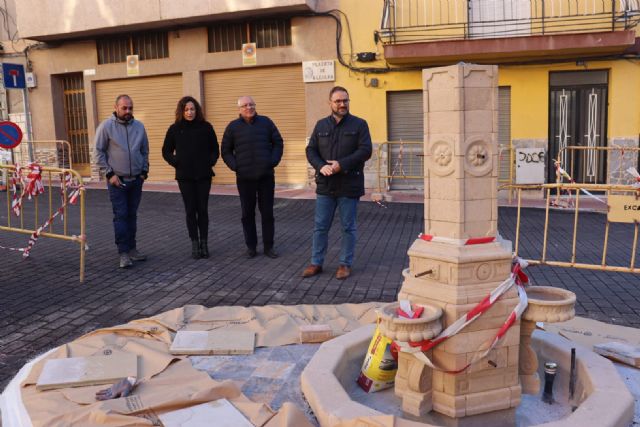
x=338, y=149
x=252, y=147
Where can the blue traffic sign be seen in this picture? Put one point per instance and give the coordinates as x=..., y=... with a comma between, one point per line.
x=10, y=135
x=13, y=76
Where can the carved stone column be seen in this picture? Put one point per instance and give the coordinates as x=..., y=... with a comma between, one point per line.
x=459, y=263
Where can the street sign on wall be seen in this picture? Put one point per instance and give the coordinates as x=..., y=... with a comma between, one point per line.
x=10, y=135
x=13, y=75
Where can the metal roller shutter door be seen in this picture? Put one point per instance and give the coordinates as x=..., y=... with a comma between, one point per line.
x=154, y=104
x=405, y=122
x=279, y=94
x=504, y=133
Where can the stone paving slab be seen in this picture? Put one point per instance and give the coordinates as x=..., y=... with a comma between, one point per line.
x=43, y=305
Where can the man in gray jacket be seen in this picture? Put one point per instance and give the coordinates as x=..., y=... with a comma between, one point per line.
x=122, y=151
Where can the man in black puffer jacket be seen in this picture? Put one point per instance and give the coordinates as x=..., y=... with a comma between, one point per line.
x=338, y=149
x=252, y=147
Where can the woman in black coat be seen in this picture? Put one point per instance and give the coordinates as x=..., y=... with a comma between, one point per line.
x=191, y=147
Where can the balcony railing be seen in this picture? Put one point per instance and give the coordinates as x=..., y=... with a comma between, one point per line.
x=407, y=21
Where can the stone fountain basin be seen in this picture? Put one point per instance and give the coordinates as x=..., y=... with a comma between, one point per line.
x=549, y=304
x=398, y=328
x=602, y=398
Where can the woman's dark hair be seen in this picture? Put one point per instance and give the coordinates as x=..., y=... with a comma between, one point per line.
x=180, y=109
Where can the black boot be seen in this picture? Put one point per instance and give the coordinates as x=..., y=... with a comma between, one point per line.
x=204, y=249
x=195, y=249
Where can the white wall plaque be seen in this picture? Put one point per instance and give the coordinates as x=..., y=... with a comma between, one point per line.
x=319, y=71
x=530, y=164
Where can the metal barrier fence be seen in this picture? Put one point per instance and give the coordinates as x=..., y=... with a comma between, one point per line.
x=584, y=164
x=400, y=164
x=623, y=206
x=33, y=183
x=52, y=153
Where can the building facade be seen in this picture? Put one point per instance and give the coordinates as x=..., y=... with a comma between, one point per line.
x=568, y=72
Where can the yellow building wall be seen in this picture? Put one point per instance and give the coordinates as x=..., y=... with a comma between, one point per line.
x=624, y=93
x=370, y=103
x=530, y=97
x=367, y=102
x=529, y=84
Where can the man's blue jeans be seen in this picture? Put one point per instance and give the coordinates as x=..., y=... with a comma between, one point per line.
x=325, y=210
x=125, y=201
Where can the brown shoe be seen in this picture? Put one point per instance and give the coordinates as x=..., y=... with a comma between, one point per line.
x=343, y=272
x=312, y=270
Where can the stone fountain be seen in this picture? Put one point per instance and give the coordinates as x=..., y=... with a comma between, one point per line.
x=458, y=261
x=453, y=267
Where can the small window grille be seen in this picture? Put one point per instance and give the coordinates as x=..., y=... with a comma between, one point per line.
x=271, y=33
x=225, y=37
x=151, y=45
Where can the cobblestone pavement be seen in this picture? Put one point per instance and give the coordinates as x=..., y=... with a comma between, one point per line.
x=43, y=305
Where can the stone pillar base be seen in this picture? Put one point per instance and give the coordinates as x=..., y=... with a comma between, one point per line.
x=530, y=384
x=413, y=385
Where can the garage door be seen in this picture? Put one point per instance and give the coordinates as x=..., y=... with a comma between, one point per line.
x=279, y=94
x=154, y=104
x=405, y=124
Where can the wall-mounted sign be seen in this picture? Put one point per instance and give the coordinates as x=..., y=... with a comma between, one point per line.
x=249, y=54
x=5, y=156
x=623, y=208
x=13, y=75
x=319, y=71
x=10, y=135
x=30, y=79
x=530, y=164
x=133, y=65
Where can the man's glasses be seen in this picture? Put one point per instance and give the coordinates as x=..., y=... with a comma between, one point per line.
x=341, y=101
x=248, y=105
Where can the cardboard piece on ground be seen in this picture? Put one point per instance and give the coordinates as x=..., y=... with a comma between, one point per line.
x=315, y=333
x=166, y=386
x=83, y=371
x=221, y=410
x=619, y=352
x=590, y=332
x=178, y=386
x=153, y=355
x=274, y=325
x=213, y=342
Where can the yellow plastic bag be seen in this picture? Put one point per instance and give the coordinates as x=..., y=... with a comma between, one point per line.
x=380, y=364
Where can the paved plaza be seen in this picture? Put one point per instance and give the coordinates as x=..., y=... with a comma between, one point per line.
x=43, y=305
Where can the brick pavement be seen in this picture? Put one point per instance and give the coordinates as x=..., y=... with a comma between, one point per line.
x=43, y=305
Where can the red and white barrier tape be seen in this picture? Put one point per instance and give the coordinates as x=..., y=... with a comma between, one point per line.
x=563, y=173
x=36, y=234
x=459, y=242
x=633, y=171
x=32, y=187
x=517, y=277
x=66, y=182
x=17, y=177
